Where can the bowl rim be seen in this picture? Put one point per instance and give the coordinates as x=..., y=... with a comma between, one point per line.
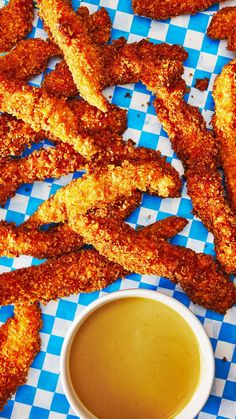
x=207, y=372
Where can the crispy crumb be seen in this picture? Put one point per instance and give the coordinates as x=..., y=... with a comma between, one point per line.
x=202, y=84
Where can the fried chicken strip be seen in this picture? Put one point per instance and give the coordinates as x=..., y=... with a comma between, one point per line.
x=165, y=9
x=71, y=34
x=46, y=113
x=99, y=24
x=19, y=344
x=85, y=271
x=196, y=148
x=125, y=63
x=39, y=165
x=28, y=59
x=16, y=135
x=16, y=241
x=59, y=240
x=223, y=26
x=197, y=273
x=106, y=185
x=15, y=22
x=224, y=94
x=30, y=56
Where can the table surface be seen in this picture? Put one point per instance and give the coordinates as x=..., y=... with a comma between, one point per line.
x=42, y=397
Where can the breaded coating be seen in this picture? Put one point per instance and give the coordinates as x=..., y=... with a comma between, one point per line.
x=47, y=113
x=92, y=120
x=125, y=63
x=85, y=271
x=106, y=185
x=164, y=9
x=224, y=121
x=38, y=166
x=16, y=135
x=197, y=149
x=15, y=22
x=30, y=56
x=99, y=24
x=164, y=229
x=28, y=59
x=81, y=54
x=202, y=84
x=16, y=241
x=223, y=26
x=19, y=344
x=59, y=240
x=197, y=273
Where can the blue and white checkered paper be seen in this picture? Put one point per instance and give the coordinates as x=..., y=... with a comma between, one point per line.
x=42, y=397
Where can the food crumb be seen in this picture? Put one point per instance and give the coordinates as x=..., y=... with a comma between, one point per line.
x=224, y=359
x=202, y=84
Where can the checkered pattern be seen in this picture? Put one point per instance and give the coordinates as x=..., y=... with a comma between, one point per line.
x=42, y=397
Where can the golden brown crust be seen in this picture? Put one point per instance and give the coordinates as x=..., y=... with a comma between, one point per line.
x=28, y=59
x=70, y=33
x=16, y=135
x=19, y=344
x=224, y=94
x=106, y=185
x=223, y=26
x=15, y=22
x=47, y=113
x=38, y=166
x=99, y=24
x=85, y=271
x=164, y=9
x=16, y=241
x=202, y=84
x=198, y=274
x=59, y=240
x=125, y=63
x=187, y=131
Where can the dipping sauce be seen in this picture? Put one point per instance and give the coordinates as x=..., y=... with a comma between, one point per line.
x=134, y=358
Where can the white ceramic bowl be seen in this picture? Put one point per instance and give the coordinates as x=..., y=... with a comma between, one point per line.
x=203, y=389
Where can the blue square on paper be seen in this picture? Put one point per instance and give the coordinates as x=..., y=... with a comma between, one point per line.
x=66, y=310
x=140, y=26
x=54, y=345
x=25, y=394
x=136, y=119
x=230, y=391
x=222, y=369
x=60, y=404
x=175, y=35
x=198, y=231
x=48, y=381
x=199, y=22
x=38, y=413
x=148, y=140
x=212, y=405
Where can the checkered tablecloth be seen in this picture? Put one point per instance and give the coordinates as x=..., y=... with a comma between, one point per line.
x=42, y=397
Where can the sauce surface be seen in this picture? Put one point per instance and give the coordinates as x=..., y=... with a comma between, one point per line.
x=134, y=358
